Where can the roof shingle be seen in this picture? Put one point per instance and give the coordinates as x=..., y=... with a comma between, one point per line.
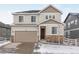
x=29, y=11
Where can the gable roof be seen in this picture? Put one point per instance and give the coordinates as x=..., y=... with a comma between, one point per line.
x=52, y=7
x=74, y=15
x=37, y=11
x=51, y=21
x=4, y=25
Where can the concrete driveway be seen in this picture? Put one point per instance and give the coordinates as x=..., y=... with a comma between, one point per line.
x=17, y=48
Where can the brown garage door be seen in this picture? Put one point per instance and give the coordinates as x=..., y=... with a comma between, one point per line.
x=26, y=36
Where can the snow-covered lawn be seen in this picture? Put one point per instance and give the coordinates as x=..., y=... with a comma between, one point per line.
x=57, y=49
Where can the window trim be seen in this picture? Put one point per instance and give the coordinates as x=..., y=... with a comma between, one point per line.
x=49, y=16
x=69, y=24
x=54, y=30
x=46, y=17
x=32, y=19
x=53, y=16
x=21, y=20
x=76, y=22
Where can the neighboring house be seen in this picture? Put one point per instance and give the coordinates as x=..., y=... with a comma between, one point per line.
x=35, y=25
x=5, y=31
x=72, y=26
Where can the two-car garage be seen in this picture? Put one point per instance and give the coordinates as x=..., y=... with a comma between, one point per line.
x=25, y=36
x=24, y=33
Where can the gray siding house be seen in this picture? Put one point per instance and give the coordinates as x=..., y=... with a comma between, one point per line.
x=5, y=31
x=72, y=26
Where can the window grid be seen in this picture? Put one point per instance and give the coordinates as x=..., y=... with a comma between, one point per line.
x=20, y=18
x=33, y=18
x=54, y=30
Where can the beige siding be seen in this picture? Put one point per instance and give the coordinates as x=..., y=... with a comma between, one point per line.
x=43, y=15
x=39, y=18
x=26, y=20
x=21, y=28
x=50, y=9
x=26, y=33
x=60, y=29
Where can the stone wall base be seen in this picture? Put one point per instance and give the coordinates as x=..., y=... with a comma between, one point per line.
x=55, y=38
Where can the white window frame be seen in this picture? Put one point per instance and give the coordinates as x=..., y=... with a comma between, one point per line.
x=69, y=25
x=46, y=17
x=72, y=22
x=53, y=29
x=76, y=22
x=33, y=20
x=49, y=17
x=21, y=20
x=53, y=16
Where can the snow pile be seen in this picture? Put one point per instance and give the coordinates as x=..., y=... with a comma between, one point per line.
x=57, y=49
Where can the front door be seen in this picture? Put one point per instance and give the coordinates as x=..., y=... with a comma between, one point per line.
x=42, y=32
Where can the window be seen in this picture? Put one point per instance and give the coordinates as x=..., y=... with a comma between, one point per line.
x=68, y=34
x=33, y=18
x=50, y=17
x=72, y=22
x=54, y=30
x=53, y=16
x=46, y=16
x=68, y=25
x=76, y=22
x=20, y=18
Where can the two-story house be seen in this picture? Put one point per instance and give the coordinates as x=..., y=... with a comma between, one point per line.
x=5, y=31
x=72, y=26
x=35, y=25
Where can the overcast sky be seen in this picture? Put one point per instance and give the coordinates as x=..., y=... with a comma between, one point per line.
x=6, y=10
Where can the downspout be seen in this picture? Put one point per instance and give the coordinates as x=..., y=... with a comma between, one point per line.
x=59, y=34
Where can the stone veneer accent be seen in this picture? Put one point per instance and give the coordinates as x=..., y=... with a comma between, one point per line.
x=55, y=38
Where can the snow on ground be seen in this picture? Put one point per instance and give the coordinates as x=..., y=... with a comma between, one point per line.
x=4, y=43
x=57, y=49
x=12, y=45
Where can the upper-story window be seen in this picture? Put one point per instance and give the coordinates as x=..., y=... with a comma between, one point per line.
x=54, y=30
x=72, y=22
x=20, y=18
x=46, y=16
x=76, y=22
x=69, y=25
x=50, y=16
x=33, y=18
x=53, y=16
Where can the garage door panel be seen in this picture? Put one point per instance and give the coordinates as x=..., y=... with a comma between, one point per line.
x=26, y=36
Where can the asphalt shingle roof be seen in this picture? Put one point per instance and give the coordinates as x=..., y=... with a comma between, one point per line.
x=73, y=14
x=29, y=11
